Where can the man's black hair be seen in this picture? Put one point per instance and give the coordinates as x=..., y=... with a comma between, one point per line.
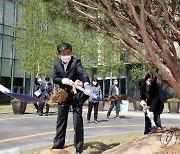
x=63, y=46
x=47, y=78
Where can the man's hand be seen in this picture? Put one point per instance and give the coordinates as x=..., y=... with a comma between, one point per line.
x=78, y=83
x=143, y=103
x=67, y=81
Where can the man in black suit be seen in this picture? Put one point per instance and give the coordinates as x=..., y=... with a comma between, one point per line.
x=67, y=70
x=46, y=89
x=38, y=81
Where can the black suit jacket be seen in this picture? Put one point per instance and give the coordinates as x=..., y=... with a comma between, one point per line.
x=74, y=71
x=153, y=101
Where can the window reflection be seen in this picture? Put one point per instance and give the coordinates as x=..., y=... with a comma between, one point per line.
x=1, y=11
x=0, y=45
x=8, y=30
x=18, y=71
x=7, y=47
x=6, y=67
x=9, y=13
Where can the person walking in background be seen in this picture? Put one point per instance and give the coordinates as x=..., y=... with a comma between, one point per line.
x=149, y=92
x=96, y=89
x=114, y=90
x=37, y=93
x=67, y=70
x=46, y=89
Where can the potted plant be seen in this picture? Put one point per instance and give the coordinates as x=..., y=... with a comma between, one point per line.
x=136, y=104
x=173, y=105
x=18, y=106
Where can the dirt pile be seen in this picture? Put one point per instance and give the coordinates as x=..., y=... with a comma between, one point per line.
x=174, y=149
x=164, y=141
x=54, y=151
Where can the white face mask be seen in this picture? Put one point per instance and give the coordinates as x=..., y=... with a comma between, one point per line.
x=65, y=59
x=116, y=83
x=94, y=83
x=39, y=80
x=148, y=83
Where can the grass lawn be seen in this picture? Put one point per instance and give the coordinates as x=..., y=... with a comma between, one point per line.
x=94, y=145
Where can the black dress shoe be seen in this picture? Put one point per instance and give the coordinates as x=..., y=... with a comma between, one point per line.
x=54, y=147
x=78, y=151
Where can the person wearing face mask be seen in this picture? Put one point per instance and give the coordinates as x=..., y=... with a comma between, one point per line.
x=66, y=71
x=46, y=89
x=96, y=89
x=114, y=90
x=37, y=93
x=149, y=92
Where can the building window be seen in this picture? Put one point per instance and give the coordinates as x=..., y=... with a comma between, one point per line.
x=1, y=11
x=6, y=67
x=18, y=85
x=8, y=30
x=27, y=86
x=1, y=29
x=18, y=14
x=18, y=71
x=6, y=81
x=7, y=47
x=9, y=13
x=0, y=68
x=0, y=45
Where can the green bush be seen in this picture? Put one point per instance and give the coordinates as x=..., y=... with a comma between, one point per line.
x=173, y=100
x=15, y=100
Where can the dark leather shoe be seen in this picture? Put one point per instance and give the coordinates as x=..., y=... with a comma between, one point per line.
x=78, y=151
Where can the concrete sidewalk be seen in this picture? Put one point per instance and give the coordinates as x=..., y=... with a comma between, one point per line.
x=130, y=112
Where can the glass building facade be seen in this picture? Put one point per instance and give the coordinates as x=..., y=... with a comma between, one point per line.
x=12, y=75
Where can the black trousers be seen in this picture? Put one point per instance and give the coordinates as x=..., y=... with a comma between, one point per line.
x=117, y=105
x=36, y=106
x=157, y=121
x=41, y=106
x=90, y=107
x=59, y=139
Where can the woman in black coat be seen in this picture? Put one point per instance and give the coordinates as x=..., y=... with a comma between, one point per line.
x=149, y=92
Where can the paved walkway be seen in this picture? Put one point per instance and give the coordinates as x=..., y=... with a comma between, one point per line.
x=140, y=113
x=31, y=130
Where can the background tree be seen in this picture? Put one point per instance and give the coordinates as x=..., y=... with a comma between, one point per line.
x=146, y=29
x=109, y=59
x=34, y=44
x=39, y=33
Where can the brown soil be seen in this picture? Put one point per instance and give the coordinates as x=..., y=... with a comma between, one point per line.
x=155, y=143
x=160, y=141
